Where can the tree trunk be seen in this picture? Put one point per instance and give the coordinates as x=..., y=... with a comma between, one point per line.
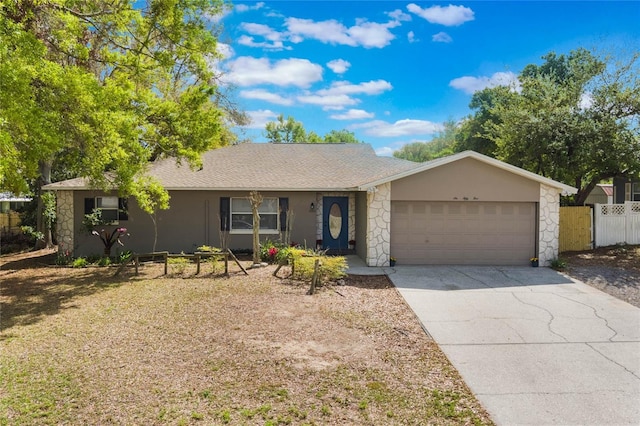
x=583, y=193
x=256, y=199
x=155, y=232
x=43, y=225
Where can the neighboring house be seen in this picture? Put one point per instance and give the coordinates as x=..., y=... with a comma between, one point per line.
x=625, y=189
x=601, y=194
x=10, y=202
x=9, y=218
x=463, y=209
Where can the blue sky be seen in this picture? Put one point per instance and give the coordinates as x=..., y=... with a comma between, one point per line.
x=393, y=71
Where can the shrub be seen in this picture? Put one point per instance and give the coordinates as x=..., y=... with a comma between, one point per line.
x=178, y=264
x=125, y=256
x=286, y=254
x=104, y=261
x=331, y=267
x=80, y=262
x=209, y=249
x=558, y=264
x=64, y=258
x=217, y=266
x=269, y=251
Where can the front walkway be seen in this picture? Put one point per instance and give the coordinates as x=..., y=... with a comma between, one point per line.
x=357, y=266
x=534, y=346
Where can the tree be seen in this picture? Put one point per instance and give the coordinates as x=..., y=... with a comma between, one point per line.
x=575, y=119
x=293, y=131
x=152, y=197
x=440, y=146
x=289, y=131
x=255, y=198
x=341, y=136
x=474, y=131
x=106, y=87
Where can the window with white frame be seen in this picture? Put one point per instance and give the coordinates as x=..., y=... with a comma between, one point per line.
x=109, y=208
x=242, y=216
x=113, y=209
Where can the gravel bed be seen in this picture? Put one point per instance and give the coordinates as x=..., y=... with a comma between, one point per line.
x=618, y=282
x=614, y=270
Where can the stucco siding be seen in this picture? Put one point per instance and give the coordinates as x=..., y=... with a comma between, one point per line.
x=470, y=178
x=361, y=224
x=192, y=220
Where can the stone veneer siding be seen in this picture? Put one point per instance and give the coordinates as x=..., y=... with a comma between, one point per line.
x=352, y=212
x=549, y=224
x=64, y=223
x=379, y=225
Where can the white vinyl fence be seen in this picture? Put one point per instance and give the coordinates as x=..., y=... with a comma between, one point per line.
x=617, y=223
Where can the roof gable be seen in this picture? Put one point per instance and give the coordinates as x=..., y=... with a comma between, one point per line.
x=439, y=162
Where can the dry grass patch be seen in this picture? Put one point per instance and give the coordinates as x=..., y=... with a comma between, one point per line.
x=83, y=347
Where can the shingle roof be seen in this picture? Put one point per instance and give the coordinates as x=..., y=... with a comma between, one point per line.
x=274, y=167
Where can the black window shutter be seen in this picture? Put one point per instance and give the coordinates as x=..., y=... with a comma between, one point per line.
x=284, y=208
x=89, y=205
x=123, y=211
x=225, y=213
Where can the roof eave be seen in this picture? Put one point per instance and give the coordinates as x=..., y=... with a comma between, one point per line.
x=220, y=189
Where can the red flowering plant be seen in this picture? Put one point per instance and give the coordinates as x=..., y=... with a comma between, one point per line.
x=273, y=252
x=108, y=236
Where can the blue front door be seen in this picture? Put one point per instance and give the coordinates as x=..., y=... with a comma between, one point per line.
x=335, y=222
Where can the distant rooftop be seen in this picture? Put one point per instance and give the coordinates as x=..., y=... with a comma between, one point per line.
x=8, y=196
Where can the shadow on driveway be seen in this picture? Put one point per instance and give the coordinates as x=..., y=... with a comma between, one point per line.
x=448, y=278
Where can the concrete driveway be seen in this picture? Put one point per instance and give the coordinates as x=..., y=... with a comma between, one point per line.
x=533, y=345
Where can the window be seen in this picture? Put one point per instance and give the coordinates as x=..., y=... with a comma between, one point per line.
x=109, y=208
x=242, y=217
x=113, y=209
x=635, y=192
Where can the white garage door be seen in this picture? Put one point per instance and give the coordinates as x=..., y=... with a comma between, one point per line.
x=471, y=233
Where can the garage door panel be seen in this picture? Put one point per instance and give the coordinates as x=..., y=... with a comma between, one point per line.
x=463, y=233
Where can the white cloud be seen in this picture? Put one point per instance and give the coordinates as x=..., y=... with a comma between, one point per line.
x=260, y=118
x=372, y=34
x=399, y=15
x=373, y=87
x=411, y=37
x=353, y=114
x=267, y=96
x=586, y=101
x=366, y=34
x=441, y=37
x=225, y=50
x=449, y=16
x=246, y=40
x=339, y=94
x=261, y=30
x=405, y=127
x=385, y=151
x=328, y=102
x=339, y=66
x=248, y=71
x=471, y=85
x=245, y=8
x=274, y=38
